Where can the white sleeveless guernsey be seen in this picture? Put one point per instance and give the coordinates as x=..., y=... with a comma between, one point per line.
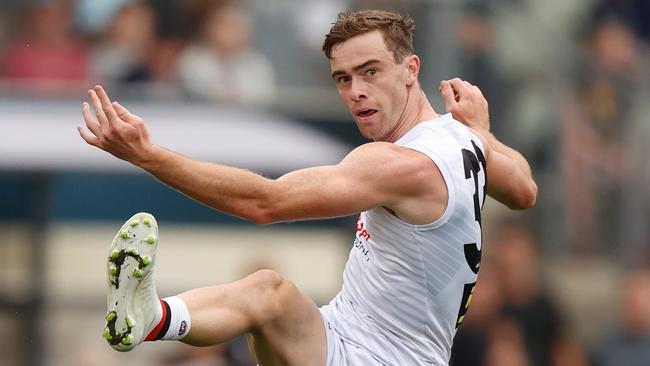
x=406, y=287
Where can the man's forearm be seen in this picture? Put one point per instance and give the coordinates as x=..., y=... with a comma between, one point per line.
x=510, y=178
x=515, y=155
x=234, y=191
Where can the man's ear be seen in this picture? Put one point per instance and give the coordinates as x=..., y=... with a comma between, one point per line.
x=412, y=68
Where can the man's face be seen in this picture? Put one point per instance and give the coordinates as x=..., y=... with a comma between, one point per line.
x=372, y=85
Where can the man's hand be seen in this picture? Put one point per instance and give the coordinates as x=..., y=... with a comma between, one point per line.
x=114, y=129
x=466, y=103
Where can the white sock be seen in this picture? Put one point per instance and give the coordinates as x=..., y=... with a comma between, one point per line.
x=180, y=322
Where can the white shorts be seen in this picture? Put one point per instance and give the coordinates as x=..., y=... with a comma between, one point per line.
x=345, y=352
x=353, y=342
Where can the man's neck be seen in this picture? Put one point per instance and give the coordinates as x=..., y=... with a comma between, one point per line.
x=417, y=109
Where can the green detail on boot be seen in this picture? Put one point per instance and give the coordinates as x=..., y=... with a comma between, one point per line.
x=124, y=234
x=115, y=254
x=107, y=334
x=128, y=340
x=112, y=270
x=137, y=273
x=146, y=222
x=130, y=322
x=133, y=223
x=132, y=251
x=151, y=239
x=111, y=316
x=146, y=260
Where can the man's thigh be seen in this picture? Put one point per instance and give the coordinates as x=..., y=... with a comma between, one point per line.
x=295, y=337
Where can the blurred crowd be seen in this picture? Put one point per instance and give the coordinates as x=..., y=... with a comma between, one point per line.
x=516, y=319
x=568, y=85
x=202, y=46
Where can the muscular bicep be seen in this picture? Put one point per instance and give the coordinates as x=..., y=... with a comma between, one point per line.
x=372, y=175
x=322, y=192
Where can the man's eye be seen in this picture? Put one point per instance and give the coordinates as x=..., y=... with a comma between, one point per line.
x=342, y=79
x=371, y=72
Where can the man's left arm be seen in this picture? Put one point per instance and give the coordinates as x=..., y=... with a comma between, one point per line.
x=510, y=179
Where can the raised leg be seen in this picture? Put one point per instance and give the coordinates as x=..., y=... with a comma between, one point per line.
x=284, y=326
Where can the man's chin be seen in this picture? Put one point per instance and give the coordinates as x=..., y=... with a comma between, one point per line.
x=367, y=132
x=370, y=135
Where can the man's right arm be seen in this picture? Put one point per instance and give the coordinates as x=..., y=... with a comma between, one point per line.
x=372, y=175
x=510, y=179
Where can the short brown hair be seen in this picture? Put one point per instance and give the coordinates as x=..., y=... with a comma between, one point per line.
x=396, y=29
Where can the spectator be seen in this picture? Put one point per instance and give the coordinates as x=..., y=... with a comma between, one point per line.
x=506, y=346
x=222, y=65
x=634, y=13
x=525, y=301
x=629, y=345
x=44, y=49
x=598, y=123
x=126, y=50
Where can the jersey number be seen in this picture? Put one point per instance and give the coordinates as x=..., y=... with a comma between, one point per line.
x=473, y=163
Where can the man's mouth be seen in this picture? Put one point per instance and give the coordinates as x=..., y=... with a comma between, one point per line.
x=366, y=113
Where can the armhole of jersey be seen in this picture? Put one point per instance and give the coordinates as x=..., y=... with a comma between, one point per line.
x=478, y=140
x=485, y=173
x=449, y=182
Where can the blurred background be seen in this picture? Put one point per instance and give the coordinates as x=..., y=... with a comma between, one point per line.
x=245, y=83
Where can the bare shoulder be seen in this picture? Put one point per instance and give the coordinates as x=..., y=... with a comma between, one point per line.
x=389, y=156
x=405, y=170
x=413, y=184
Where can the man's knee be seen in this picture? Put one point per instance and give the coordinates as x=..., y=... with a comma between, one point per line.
x=271, y=294
x=265, y=280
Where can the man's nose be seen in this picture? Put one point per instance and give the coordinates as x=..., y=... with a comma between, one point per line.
x=357, y=91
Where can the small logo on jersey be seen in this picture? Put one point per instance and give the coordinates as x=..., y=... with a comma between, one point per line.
x=362, y=232
x=362, y=237
x=182, y=328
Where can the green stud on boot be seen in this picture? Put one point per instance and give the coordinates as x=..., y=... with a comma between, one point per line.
x=146, y=260
x=124, y=234
x=133, y=223
x=127, y=340
x=115, y=254
x=110, y=316
x=107, y=334
x=112, y=270
x=130, y=322
x=147, y=222
x=137, y=273
x=132, y=251
x=151, y=239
